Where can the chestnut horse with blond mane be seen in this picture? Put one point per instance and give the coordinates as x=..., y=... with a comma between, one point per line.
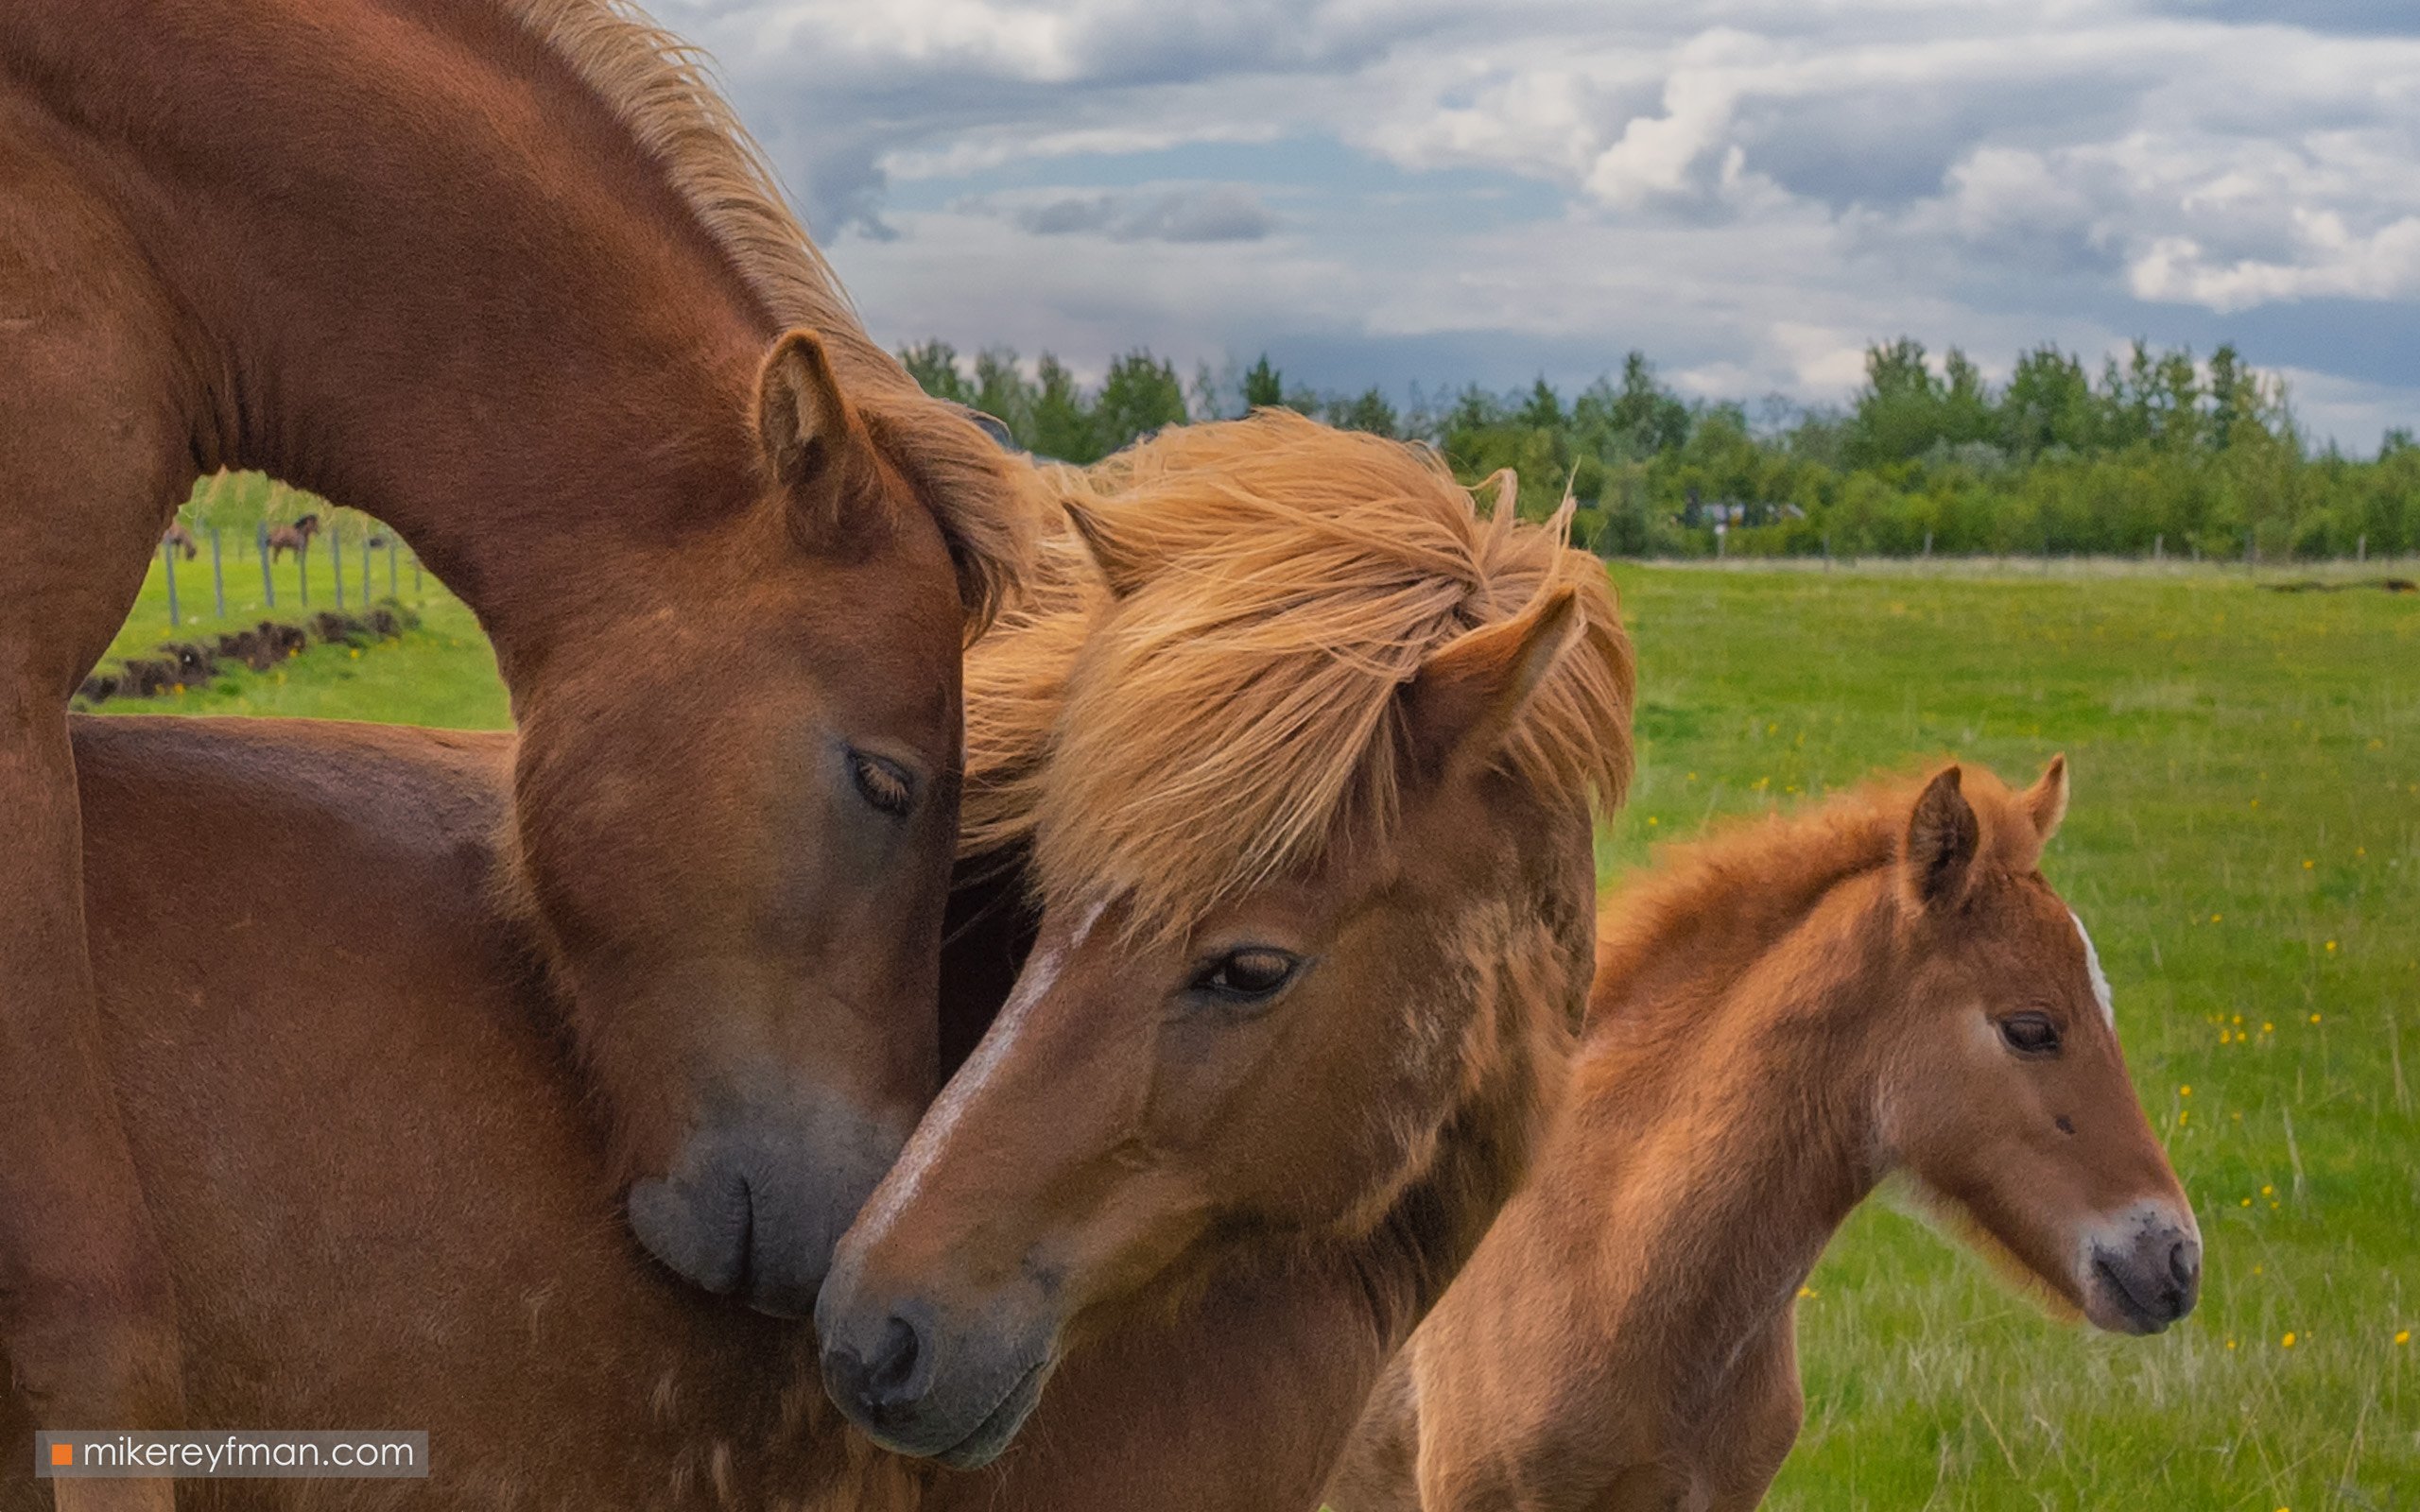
x=506, y=275
x=435, y=1247
x=1783, y=1017
x=1303, y=793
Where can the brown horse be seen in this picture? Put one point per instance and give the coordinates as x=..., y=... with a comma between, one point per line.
x=295, y=537
x=1781, y=1018
x=180, y=539
x=506, y=274
x=1309, y=818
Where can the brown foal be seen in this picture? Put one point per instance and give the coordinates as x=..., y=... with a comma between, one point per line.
x=1781, y=1018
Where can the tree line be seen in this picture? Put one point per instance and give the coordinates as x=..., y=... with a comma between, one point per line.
x=2157, y=452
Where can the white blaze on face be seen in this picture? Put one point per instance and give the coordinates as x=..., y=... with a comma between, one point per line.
x=2099, y=982
x=940, y=1120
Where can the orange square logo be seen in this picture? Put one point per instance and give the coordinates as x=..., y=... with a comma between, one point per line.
x=63, y=1453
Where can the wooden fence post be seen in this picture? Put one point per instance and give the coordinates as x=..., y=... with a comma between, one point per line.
x=368, y=556
x=168, y=556
x=217, y=574
x=302, y=572
x=268, y=578
x=392, y=547
x=335, y=557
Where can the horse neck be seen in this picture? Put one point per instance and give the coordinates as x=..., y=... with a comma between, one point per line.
x=424, y=271
x=1709, y=1152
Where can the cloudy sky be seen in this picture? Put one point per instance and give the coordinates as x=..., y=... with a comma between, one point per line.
x=1425, y=191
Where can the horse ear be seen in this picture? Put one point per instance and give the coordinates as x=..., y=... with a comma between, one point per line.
x=1943, y=837
x=803, y=418
x=1466, y=699
x=1121, y=566
x=2046, y=801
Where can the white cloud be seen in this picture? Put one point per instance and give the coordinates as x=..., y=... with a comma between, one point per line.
x=2384, y=264
x=1748, y=189
x=1178, y=213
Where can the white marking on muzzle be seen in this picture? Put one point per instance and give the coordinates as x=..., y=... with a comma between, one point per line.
x=2092, y=964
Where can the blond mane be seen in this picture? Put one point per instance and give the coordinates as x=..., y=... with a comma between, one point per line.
x=1215, y=702
x=659, y=87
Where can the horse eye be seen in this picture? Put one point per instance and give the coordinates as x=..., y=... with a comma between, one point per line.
x=1247, y=975
x=2031, y=1034
x=884, y=784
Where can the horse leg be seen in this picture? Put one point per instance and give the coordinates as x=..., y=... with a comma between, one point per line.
x=96, y=458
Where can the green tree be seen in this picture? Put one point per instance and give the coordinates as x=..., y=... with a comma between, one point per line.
x=1003, y=391
x=2048, y=402
x=1475, y=409
x=1140, y=395
x=934, y=366
x=1965, y=402
x=1264, y=386
x=1543, y=409
x=1370, y=412
x=1902, y=410
x=1647, y=416
x=1062, y=422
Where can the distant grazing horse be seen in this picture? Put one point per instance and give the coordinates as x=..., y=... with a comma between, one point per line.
x=182, y=541
x=295, y=537
x=506, y=275
x=1307, y=813
x=434, y=1246
x=1782, y=1017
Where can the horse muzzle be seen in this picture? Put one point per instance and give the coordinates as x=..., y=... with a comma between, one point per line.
x=753, y=1208
x=2143, y=1272
x=918, y=1384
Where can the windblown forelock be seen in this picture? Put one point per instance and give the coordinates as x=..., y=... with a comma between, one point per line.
x=990, y=505
x=1232, y=717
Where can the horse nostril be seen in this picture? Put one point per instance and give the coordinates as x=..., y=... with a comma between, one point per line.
x=2184, y=1262
x=890, y=1375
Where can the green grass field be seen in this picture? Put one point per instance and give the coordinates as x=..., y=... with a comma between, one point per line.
x=441, y=673
x=2245, y=841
